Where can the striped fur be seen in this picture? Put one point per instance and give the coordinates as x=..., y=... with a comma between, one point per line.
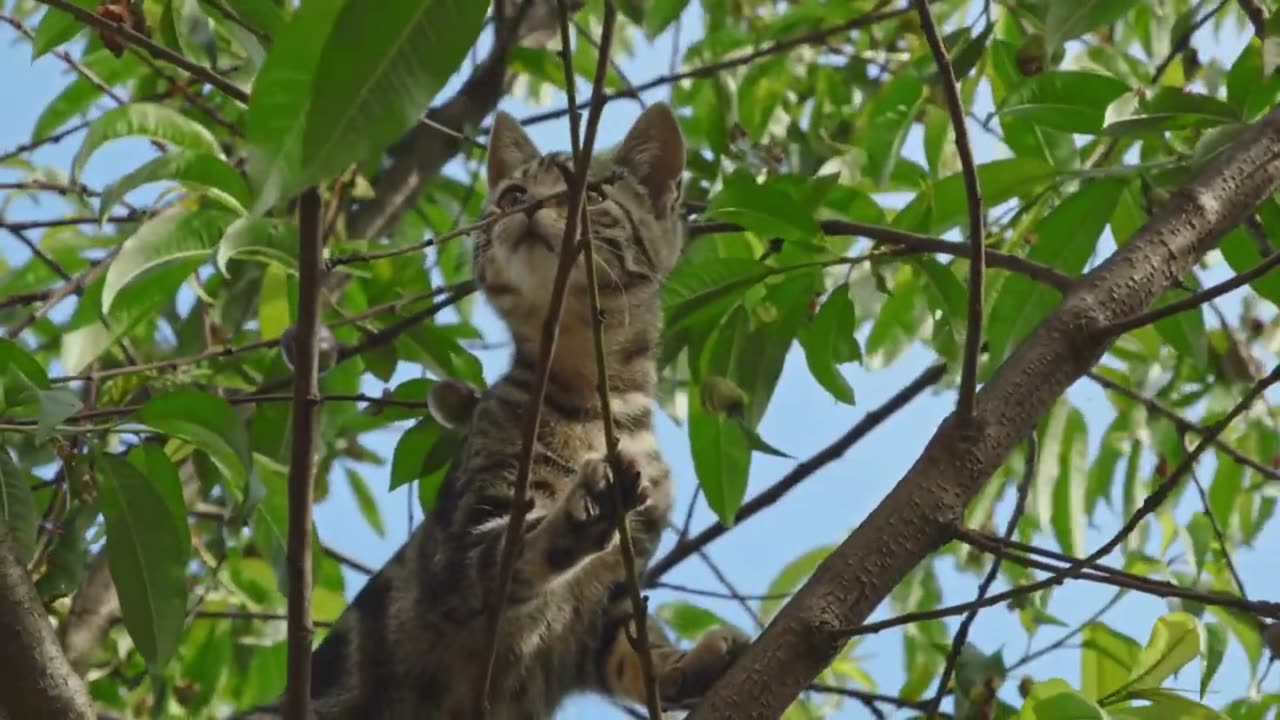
x=411, y=643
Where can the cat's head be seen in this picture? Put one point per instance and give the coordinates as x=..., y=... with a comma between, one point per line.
x=632, y=201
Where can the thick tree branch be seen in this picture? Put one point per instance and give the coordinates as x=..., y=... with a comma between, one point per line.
x=37, y=681
x=958, y=460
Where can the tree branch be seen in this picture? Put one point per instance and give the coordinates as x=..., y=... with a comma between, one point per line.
x=302, y=462
x=37, y=681
x=973, y=195
x=960, y=457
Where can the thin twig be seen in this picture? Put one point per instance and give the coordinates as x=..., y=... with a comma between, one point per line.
x=1218, y=534
x=302, y=462
x=775, y=48
x=1149, y=505
x=1184, y=424
x=962, y=632
x=799, y=473
x=532, y=418
x=918, y=243
x=968, y=170
x=639, y=604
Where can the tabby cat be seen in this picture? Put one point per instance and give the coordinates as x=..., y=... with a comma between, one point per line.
x=411, y=644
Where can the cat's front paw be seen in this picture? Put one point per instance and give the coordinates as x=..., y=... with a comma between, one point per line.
x=593, y=501
x=699, y=669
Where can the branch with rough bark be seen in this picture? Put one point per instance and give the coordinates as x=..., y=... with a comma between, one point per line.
x=37, y=681
x=921, y=509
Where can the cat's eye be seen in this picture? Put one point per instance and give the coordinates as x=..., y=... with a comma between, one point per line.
x=512, y=196
x=594, y=196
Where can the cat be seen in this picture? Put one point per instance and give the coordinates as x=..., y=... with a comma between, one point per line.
x=411, y=644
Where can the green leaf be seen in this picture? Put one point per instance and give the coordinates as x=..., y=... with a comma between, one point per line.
x=700, y=290
x=423, y=452
x=660, y=14
x=14, y=355
x=178, y=235
x=1164, y=110
x=1069, y=705
x=1167, y=704
x=889, y=115
x=688, y=621
x=188, y=167
x=365, y=501
x=1174, y=642
x=1214, y=644
x=57, y=28
x=770, y=210
x=136, y=304
x=1069, y=19
x=1106, y=659
x=1242, y=254
x=210, y=424
x=145, y=551
x=828, y=342
x=152, y=120
x=1067, y=100
x=54, y=406
x=376, y=77
x=944, y=205
x=790, y=577
x=721, y=458
x=1064, y=240
x=263, y=15
x=267, y=240
x=947, y=300
x=1069, y=514
x=17, y=507
x=279, y=102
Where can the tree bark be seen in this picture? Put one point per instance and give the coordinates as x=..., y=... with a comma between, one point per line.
x=37, y=681
x=915, y=518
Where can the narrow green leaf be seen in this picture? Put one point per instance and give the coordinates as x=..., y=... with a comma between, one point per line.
x=1164, y=110
x=262, y=15
x=947, y=300
x=210, y=424
x=1064, y=240
x=721, y=458
x=188, y=167
x=1069, y=705
x=152, y=120
x=145, y=553
x=828, y=342
x=1067, y=100
x=1069, y=515
x=660, y=14
x=1214, y=644
x=888, y=117
x=375, y=78
x=943, y=206
x=17, y=507
x=365, y=501
x=177, y=235
x=279, y=102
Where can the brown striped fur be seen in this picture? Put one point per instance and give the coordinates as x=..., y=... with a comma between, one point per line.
x=411, y=643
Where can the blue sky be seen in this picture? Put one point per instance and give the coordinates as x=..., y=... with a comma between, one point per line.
x=801, y=419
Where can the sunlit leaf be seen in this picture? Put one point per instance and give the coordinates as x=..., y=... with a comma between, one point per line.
x=178, y=235
x=152, y=120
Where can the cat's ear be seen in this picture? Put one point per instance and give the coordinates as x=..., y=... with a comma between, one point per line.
x=653, y=152
x=509, y=148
